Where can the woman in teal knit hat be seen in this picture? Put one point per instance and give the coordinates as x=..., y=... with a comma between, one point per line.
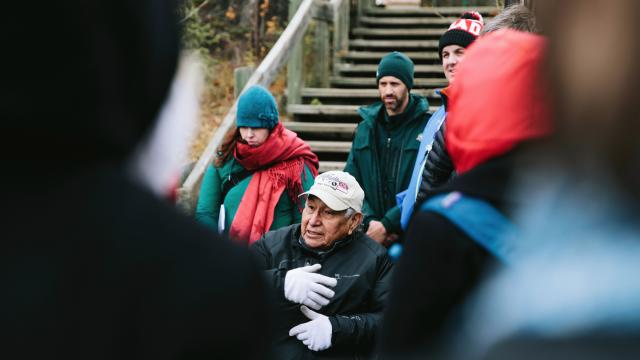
x=260, y=169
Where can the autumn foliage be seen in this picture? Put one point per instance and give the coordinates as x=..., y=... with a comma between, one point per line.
x=228, y=34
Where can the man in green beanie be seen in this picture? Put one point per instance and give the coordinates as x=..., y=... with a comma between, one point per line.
x=385, y=146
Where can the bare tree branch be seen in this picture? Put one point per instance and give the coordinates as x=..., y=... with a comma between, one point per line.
x=194, y=11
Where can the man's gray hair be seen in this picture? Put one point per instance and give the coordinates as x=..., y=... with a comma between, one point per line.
x=516, y=17
x=351, y=212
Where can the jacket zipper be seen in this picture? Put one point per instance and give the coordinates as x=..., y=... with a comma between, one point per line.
x=399, y=163
x=389, y=158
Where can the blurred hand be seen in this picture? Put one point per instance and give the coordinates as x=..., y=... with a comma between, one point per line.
x=377, y=231
x=391, y=238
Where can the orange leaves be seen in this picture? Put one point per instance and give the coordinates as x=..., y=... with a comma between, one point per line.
x=230, y=14
x=272, y=25
x=264, y=7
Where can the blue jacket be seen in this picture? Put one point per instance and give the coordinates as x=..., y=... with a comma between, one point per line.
x=406, y=199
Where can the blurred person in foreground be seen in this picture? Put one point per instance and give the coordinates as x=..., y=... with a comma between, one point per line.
x=330, y=280
x=496, y=113
x=576, y=294
x=516, y=17
x=259, y=171
x=94, y=263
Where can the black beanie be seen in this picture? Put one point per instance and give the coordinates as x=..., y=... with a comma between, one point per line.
x=462, y=32
x=398, y=65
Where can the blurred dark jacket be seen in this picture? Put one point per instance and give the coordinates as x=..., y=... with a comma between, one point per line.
x=440, y=265
x=93, y=265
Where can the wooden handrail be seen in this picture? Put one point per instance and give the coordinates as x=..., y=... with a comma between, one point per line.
x=264, y=75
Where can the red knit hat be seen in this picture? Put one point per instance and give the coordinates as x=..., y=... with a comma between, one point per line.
x=500, y=99
x=462, y=32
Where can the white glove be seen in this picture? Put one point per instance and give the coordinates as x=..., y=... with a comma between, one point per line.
x=304, y=286
x=316, y=334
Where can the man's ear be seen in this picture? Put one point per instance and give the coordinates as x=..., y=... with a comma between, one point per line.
x=354, y=222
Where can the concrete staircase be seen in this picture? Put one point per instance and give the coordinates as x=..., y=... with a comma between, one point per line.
x=327, y=117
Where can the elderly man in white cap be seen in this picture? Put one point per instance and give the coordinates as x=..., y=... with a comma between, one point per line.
x=331, y=280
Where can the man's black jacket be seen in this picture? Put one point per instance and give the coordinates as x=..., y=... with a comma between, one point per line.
x=363, y=271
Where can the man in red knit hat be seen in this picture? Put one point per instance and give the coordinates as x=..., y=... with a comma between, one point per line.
x=432, y=160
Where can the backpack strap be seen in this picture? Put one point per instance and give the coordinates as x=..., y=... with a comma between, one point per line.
x=479, y=220
x=233, y=180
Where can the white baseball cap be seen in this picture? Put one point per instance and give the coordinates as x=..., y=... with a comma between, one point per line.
x=338, y=190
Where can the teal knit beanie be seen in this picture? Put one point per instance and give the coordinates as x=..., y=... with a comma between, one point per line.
x=257, y=109
x=398, y=65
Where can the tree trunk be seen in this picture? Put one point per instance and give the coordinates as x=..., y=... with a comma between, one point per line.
x=248, y=11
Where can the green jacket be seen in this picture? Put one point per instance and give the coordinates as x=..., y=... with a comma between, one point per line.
x=208, y=209
x=382, y=157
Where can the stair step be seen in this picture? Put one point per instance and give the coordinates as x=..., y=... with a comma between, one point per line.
x=331, y=165
x=377, y=55
x=372, y=68
x=354, y=96
x=326, y=128
x=432, y=11
x=330, y=146
x=357, y=93
x=331, y=110
x=370, y=82
x=408, y=21
x=328, y=117
x=404, y=33
x=393, y=44
x=402, y=3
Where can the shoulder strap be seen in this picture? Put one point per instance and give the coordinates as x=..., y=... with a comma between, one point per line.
x=479, y=220
x=429, y=135
x=232, y=180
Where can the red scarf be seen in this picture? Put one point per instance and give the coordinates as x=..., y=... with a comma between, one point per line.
x=278, y=164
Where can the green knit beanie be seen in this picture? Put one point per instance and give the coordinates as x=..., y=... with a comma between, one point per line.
x=398, y=65
x=257, y=109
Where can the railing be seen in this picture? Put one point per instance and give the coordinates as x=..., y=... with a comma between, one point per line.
x=465, y=3
x=287, y=48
